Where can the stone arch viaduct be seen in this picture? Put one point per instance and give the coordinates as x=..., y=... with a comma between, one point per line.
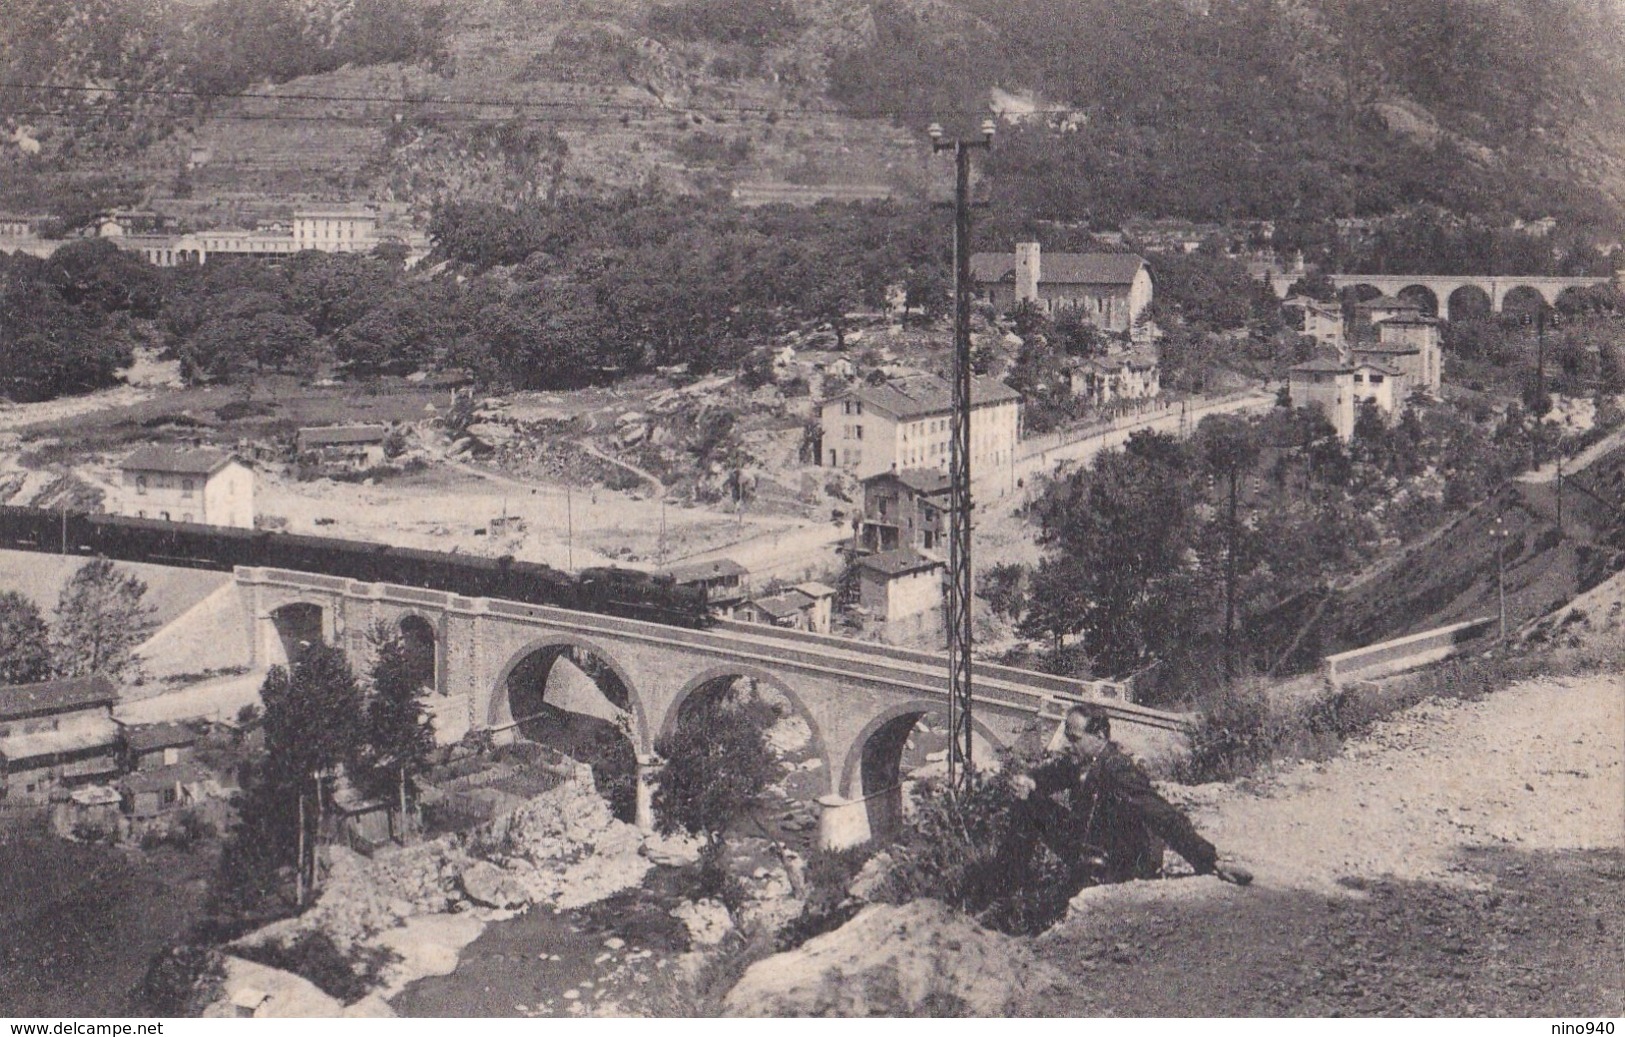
x=859, y=699
x=1443, y=286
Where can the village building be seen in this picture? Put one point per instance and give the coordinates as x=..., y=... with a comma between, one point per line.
x=176, y=484
x=790, y=609
x=1372, y=312
x=908, y=508
x=150, y=746
x=725, y=582
x=1111, y=288
x=15, y=226
x=821, y=614
x=1131, y=375
x=343, y=228
x=905, y=423
x=1321, y=321
x=1411, y=344
x=156, y=791
x=56, y=734
x=1339, y=389
x=903, y=590
x=353, y=447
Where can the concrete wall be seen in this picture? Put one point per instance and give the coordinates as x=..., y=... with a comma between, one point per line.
x=1403, y=653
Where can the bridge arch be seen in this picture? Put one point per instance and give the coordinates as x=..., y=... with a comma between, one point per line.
x=593, y=711
x=1423, y=296
x=711, y=676
x=1467, y=301
x=873, y=769
x=295, y=623
x=424, y=648
x=1524, y=298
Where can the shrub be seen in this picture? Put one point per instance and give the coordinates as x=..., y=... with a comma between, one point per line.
x=829, y=904
x=966, y=849
x=180, y=982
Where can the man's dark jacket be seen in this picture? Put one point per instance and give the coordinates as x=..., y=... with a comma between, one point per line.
x=1115, y=809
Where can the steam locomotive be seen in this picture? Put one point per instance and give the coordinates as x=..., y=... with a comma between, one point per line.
x=608, y=590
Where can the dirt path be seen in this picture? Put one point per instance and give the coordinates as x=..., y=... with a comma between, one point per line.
x=1466, y=858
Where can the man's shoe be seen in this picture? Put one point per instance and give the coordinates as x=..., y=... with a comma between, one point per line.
x=1234, y=873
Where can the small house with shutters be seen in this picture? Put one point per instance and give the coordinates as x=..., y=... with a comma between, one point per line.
x=343, y=446
x=177, y=484
x=823, y=605
x=903, y=589
x=725, y=582
x=789, y=609
x=1125, y=376
x=151, y=793
x=907, y=508
x=56, y=734
x=150, y=746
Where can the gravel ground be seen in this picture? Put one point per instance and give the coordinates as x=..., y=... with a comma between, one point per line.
x=1468, y=858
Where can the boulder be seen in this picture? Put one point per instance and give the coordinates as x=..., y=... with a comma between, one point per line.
x=917, y=959
x=490, y=886
x=707, y=920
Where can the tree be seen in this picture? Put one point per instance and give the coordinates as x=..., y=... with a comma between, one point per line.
x=718, y=766
x=399, y=734
x=101, y=617
x=312, y=711
x=1117, y=536
x=25, y=652
x=1229, y=446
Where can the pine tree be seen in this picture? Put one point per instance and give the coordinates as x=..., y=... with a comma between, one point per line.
x=399, y=733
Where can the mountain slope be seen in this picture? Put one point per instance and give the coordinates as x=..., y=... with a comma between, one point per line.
x=1229, y=108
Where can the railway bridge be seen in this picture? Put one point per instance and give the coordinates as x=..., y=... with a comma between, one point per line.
x=1440, y=293
x=860, y=701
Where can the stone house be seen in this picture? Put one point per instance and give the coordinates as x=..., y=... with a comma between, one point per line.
x=725, y=582
x=1125, y=376
x=56, y=734
x=187, y=485
x=905, y=422
x=903, y=589
x=1339, y=389
x=1412, y=345
x=1321, y=321
x=823, y=605
x=1372, y=312
x=1111, y=288
x=150, y=746
x=908, y=508
x=806, y=606
x=156, y=791
x=343, y=446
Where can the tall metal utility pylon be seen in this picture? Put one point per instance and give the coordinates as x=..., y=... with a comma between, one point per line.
x=959, y=514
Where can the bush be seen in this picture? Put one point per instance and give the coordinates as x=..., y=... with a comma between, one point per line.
x=966, y=849
x=829, y=903
x=181, y=982
x=1241, y=728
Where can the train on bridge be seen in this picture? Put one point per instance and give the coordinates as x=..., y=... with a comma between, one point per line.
x=612, y=591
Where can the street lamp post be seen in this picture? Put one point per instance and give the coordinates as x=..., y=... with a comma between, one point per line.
x=959, y=515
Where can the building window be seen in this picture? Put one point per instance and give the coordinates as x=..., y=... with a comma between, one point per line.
x=141, y=484
x=859, y=429
x=186, y=487
x=1376, y=379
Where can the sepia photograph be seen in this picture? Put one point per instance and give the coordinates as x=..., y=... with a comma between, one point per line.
x=702, y=509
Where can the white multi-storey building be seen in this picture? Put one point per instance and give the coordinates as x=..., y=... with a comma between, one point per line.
x=905, y=423
x=176, y=485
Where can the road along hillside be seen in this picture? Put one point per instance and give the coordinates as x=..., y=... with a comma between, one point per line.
x=1466, y=858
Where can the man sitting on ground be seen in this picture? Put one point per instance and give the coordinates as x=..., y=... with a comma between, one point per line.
x=1113, y=808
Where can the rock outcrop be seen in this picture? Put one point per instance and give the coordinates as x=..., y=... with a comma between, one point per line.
x=917, y=959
